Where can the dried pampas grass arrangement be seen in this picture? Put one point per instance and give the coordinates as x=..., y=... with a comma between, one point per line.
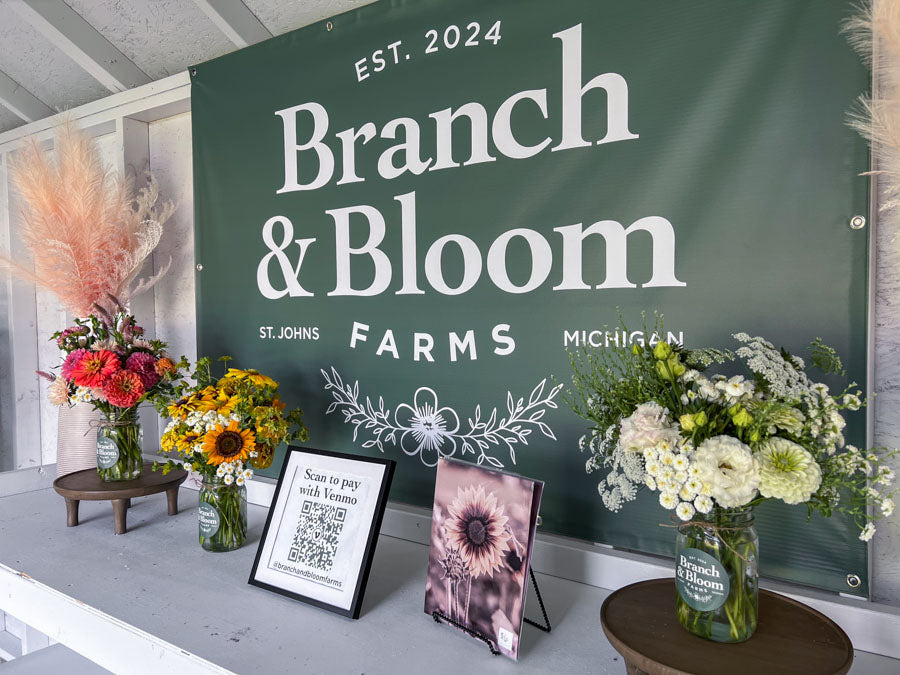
x=86, y=228
x=875, y=33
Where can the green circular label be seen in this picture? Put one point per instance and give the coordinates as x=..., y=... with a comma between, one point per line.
x=107, y=452
x=701, y=580
x=209, y=521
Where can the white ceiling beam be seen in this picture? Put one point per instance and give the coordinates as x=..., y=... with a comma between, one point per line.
x=235, y=20
x=21, y=102
x=81, y=42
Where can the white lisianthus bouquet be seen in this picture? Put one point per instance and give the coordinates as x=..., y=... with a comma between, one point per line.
x=707, y=442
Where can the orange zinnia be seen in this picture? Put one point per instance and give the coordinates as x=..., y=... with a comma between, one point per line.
x=95, y=368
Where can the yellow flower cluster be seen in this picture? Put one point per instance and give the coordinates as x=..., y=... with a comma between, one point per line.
x=249, y=401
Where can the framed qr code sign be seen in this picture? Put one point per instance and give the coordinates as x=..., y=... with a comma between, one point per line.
x=320, y=534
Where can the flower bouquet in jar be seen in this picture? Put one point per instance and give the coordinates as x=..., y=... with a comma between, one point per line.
x=112, y=366
x=712, y=447
x=223, y=428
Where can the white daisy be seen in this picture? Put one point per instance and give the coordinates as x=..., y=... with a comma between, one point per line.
x=668, y=500
x=703, y=503
x=220, y=471
x=229, y=479
x=685, y=511
x=240, y=480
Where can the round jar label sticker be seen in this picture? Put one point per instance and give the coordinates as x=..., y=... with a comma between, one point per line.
x=209, y=521
x=107, y=453
x=701, y=580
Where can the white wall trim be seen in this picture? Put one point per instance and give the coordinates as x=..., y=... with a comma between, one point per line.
x=104, y=639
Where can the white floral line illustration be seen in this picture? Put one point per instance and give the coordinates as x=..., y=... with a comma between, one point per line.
x=430, y=431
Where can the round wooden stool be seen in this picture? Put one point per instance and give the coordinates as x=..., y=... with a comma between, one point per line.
x=639, y=620
x=86, y=485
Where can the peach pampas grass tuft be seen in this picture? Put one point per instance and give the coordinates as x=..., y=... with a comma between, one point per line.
x=87, y=230
x=875, y=33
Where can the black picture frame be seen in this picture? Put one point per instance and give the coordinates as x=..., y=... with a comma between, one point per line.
x=295, y=453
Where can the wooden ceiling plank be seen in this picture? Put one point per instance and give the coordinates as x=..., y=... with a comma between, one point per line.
x=80, y=41
x=238, y=23
x=21, y=102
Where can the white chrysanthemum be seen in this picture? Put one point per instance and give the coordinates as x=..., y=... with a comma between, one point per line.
x=787, y=471
x=685, y=494
x=665, y=486
x=703, y=504
x=694, y=485
x=646, y=427
x=667, y=458
x=650, y=482
x=668, y=500
x=685, y=511
x=681, y=463
x=229, y=479
x=653, y=468
x=681, y=476
x=650, y=454
x=728, y=468
x=694, y=472
x=867, y=532
x=667, y=473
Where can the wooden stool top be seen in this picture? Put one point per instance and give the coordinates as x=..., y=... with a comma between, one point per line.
x=86, y=485
x=640, y=622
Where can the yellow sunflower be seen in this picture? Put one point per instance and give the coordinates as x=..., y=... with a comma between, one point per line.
x=228, y=444
x=254, y=376
x=181, y=408
x=226, y=404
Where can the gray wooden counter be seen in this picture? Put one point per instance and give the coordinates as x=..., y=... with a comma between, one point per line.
x=158, y=579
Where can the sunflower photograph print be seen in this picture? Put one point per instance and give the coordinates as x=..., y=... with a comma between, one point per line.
x=482, y=532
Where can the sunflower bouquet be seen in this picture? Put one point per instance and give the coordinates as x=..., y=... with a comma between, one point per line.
x=223, y=428
x=110, y=364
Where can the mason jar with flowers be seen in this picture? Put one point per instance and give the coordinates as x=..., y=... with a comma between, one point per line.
x=713, y=447
x=110, y=365
x=223, y=429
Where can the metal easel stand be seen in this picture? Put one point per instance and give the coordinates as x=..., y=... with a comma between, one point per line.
x=439, y=616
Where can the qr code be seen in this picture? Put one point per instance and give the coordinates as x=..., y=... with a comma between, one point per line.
x=317, y=535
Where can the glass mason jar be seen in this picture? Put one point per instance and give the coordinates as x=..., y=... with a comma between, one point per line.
x=222, y=515
x=717, y=575
x=119, y=445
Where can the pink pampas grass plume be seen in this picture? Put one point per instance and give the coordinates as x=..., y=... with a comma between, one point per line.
x=86, y=228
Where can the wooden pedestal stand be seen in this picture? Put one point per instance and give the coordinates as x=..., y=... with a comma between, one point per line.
x=86, y=485
x=790, y=638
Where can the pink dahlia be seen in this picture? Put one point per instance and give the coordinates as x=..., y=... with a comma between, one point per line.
x=95, y=368
x=144, y=366
x=123, y=389
x=71, y=362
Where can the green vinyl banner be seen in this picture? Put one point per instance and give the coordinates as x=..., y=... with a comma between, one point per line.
x=409, y=213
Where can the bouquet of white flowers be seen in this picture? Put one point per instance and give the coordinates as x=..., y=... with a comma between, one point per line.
x=712, y=446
